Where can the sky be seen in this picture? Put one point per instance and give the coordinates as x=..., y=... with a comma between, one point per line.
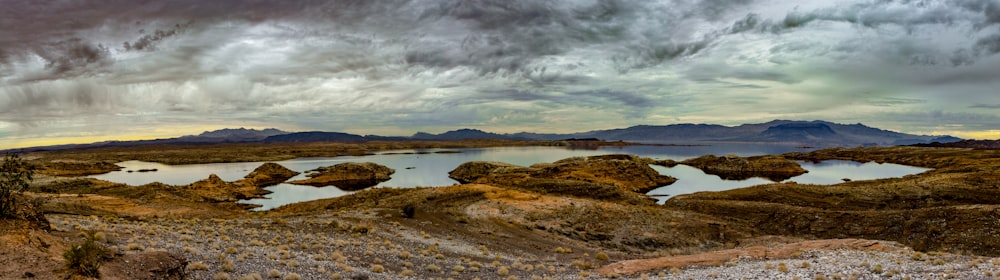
x=85, y=71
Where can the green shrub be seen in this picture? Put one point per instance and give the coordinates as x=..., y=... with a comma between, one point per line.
x=14, y=177
x=85, y=258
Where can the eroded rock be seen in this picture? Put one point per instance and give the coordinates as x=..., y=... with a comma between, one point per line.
x=775, y=168
x=348, y=175
x=607, y=177
x=471, y=171
x=269, y=174
x=215, y=189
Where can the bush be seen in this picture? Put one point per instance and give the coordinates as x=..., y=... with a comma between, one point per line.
x=85, y=258
x=409, y=210
x=14, y=177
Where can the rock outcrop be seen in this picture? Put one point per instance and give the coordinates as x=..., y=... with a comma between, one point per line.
x=77, y=168
x=146, y=265
x=774, y=168
x=348, y=176
x=607, y=177
x=214, y=189
x=471, y=171
x=268, y=174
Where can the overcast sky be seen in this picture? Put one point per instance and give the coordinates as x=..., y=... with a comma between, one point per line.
x=83, y=71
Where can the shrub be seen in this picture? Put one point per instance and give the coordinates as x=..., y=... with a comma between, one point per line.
x=274, y=273
x=783, y=267
x=197, y=266
x=378, y=268
x=877, y=269
x=602, y=256
x=85, y=258
x=292, y=276
x=221, y=276
x=503, y=271
x=228, y=266
x=14, y=177
x=252, y=276
x=409, y=210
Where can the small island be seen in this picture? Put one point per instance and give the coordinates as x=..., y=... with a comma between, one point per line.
x=348, y=176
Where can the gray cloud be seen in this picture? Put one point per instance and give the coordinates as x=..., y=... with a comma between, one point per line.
x=894, y=101
x=515, y=63
x=989, y=44
x=148, y=41
x=985, y=106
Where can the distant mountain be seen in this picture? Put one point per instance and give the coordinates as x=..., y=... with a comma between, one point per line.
x=315, y=136
x=239, y=134
x=975, y=144
x=464, y=134
x=227, y=135
x=811, y=133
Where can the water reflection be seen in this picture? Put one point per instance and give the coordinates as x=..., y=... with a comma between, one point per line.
x=692, y=180
x=425, y=167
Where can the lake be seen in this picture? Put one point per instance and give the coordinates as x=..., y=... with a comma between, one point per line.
x=416, y=168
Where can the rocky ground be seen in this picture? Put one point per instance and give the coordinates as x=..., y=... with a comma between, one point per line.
x=580, y=218
x=349, y=246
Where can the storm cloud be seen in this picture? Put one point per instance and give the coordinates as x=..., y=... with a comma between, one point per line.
x=397, y=66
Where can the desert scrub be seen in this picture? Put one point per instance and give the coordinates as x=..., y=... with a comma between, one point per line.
x=197, y=266
x=503, y=271
x=378, y=268
x=783, y=267
x=562, y=250
x=221, y=276
x=345, y=267
x=252, y=276
x=228, y=266
x=602, y=256
x=85, y=258
x=877, y=269
x=133, y=247
x=292, y=276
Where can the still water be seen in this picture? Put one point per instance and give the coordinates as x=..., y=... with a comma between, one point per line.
x=426, y=168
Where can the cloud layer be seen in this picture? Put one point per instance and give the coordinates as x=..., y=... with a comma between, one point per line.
x=97, y=68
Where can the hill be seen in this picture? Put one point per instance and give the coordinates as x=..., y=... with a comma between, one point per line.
x=814, y=133
x=975, y=144
x=811, y=133
x=465, y=134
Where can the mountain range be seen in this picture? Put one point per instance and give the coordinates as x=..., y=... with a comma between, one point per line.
x=810, y=133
